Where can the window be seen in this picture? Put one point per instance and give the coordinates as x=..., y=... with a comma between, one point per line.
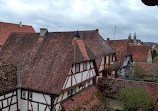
x=85, y=66
x=80, y=87
x=77, y=68
x=68, y=93
x=30, y=95
x=88, y=83
x=24, y=94
x=107, y=59
x=84, y=85
x=73, y=90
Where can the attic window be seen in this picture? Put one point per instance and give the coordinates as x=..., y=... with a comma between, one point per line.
x=85, y=66
x=77, y=68
x=30, y=95
x=84, y=85
x=69, y=93
x=88, y=83
x=24, y=94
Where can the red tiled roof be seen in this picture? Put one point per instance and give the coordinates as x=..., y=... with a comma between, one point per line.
x=83, y=49
x=7, y=28
x=95, y=43
x=122, y=49
x=8, y=77
x=140, y=52
x=44, y=63
x=87, y=99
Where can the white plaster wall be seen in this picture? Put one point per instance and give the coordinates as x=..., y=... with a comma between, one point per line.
x=102, y=64
x=113, y=58
x=5, y=103
x=107, y=59
x=38, y=97
x=81, y=66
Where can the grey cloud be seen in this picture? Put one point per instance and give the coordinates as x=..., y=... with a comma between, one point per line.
x=66, y=15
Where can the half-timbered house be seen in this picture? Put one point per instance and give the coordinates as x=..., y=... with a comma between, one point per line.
x=52, y=67
x=124, y=55
x=106, y=60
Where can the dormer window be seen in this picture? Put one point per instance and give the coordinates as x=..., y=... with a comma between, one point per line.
x=77, y=68
x=85, y=66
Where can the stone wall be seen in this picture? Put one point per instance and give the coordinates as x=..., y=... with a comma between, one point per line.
x=113, y=85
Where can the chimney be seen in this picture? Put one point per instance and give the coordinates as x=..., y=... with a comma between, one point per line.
x=108, y=40
x=43, y=31
x=78, y=35
x=97, y=30
x=18, y=76
x=20, y=24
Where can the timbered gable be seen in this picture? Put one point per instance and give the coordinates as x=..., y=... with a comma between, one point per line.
x=109, y=66
x=75, y=78
x=76, y=81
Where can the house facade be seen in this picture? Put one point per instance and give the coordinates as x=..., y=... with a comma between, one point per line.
x=7, y=28
x=106, y=61
x=142, y=54
x=52, y=67
x=124, y=55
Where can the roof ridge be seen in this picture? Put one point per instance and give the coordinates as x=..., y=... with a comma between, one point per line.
x=15, y=24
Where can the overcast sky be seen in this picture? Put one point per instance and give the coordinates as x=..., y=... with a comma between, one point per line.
x=129, y=16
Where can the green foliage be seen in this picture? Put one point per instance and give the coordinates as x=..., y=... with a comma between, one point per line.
x=134, y=98
x=154, y=54
x=138, y=73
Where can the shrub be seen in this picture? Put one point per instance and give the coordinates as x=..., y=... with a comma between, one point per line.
x=134, y=98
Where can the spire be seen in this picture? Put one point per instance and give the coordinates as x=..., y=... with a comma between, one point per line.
x=129, y=37
x=135, y=36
